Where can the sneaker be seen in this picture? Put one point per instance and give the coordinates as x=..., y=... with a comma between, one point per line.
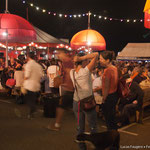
x=17, y=113
x=30, y=117
x=79, y=140
x=53, y=128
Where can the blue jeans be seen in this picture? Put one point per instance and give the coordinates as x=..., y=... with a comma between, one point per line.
x=91, y=118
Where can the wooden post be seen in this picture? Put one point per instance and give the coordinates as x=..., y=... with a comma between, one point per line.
x=89, y=14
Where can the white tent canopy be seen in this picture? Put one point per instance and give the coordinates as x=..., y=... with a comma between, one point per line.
x=135, y=51
x=43, y=37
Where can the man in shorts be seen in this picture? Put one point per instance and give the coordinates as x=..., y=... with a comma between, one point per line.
x=65, y=90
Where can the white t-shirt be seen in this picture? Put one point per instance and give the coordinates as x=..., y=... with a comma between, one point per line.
x=52, y=73
x=33, y=71
x=97, y=82
x=19, y=77
x=84, y=86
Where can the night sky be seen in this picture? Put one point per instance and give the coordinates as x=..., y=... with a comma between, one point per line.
x=117, y=34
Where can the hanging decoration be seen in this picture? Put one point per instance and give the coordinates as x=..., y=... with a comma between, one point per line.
x=14, y=28
x=32, y=44
x=147, y=14
x=99, y=17
x=88, y=40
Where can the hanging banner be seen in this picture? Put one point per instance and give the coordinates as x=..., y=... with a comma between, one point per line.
x=147, y=14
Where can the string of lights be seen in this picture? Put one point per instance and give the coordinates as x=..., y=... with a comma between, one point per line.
x=99, y=17
x=36, y=45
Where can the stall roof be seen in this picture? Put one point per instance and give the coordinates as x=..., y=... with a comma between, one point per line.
x=43, y=37
x=135, y=51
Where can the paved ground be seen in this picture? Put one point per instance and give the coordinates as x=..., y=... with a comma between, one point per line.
x=24, y=134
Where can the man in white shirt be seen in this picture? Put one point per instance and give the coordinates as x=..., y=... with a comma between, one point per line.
x=32, y=76
x=65, y=91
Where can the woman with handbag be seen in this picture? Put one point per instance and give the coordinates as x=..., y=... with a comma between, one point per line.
x=109, y=89
x=81, y=78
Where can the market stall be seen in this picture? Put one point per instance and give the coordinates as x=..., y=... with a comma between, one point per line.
x=135, y=52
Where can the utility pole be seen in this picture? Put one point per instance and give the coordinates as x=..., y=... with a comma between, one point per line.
x=89, y=15
x=6, y=10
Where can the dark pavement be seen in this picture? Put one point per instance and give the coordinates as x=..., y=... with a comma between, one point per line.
x=23, y=134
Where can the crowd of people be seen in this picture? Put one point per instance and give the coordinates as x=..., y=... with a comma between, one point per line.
x=83, y=75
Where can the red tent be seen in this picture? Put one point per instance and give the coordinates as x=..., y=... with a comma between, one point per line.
x=18, y=29
x=14, y=28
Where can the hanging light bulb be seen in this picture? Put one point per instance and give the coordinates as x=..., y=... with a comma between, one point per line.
x=74, y=16
x=60, y=15
x=80, y=15
x=5, y=34
x=89, y=43
x=24, y=47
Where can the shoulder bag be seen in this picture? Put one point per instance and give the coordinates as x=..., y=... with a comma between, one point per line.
x=58, y=80
x=87, y=103
x=11, y=82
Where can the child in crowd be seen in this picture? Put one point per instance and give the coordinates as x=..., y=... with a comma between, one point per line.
x=97, y=88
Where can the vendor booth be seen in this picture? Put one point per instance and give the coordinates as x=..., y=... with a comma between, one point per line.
x=135, y=52
x=44, y=45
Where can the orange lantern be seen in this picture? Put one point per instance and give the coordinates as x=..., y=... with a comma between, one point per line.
x=89, y=39
x=147, y=14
